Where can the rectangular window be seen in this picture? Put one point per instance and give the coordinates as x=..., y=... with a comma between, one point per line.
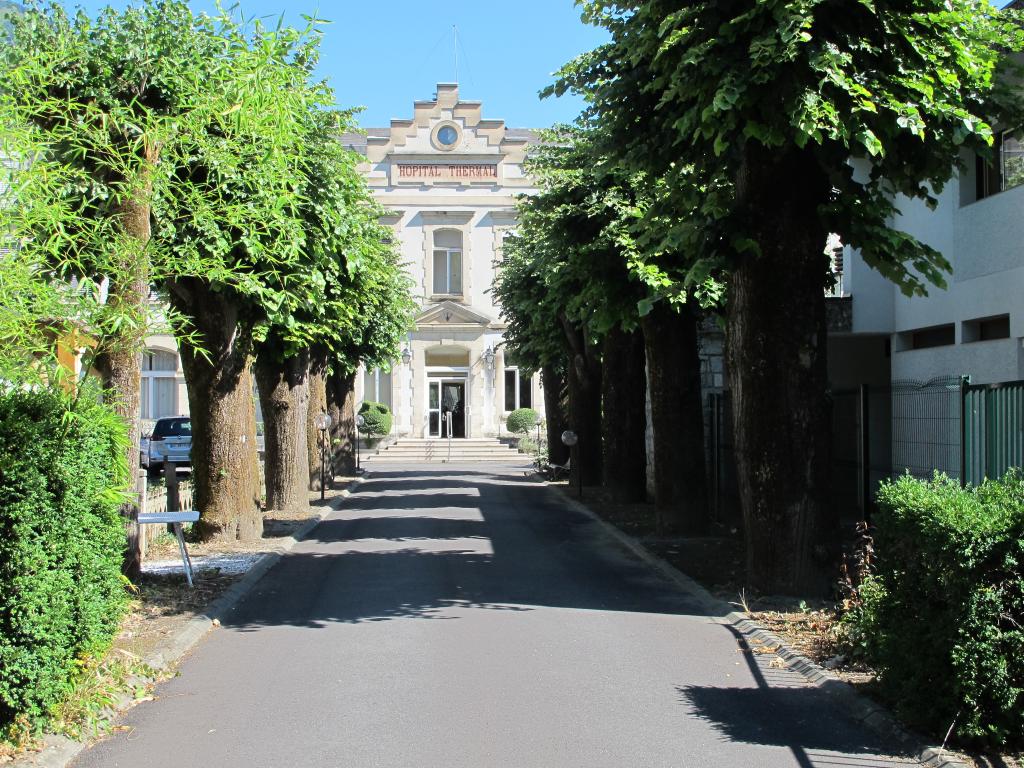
x=987, y=328
x=1008, y=168
x=511, y=379
x=448, y=273
x=440, y=271
x=159, y=385
x=525, y=392
x=164, y=397
x=518, y=390
x=938, y=336
x=384, y=387
x=377, y=386
x=1011, y=156
x=454, y=272
x=994, y=328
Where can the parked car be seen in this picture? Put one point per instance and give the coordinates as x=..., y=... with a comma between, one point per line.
x=171, y=438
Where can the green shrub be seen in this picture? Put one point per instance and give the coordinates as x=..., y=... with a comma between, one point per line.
x=521, y=421
x=942, y=618
x=527, y=445
x=376, y=419
x=63, y=470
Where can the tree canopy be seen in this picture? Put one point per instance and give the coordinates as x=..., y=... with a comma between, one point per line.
x=569, y=259
x=121, y=110
x=350, y=296
x=196, y=154
x=880, y=97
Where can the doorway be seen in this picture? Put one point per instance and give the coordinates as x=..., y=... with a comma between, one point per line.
x=446, y=405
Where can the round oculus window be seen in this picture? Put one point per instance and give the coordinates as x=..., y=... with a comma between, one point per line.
x=447, y=135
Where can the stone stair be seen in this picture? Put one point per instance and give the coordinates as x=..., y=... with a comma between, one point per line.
x=410, y=450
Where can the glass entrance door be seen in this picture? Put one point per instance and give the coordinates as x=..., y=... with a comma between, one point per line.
x=434, y=409
x=453, y=409
x=446, y=404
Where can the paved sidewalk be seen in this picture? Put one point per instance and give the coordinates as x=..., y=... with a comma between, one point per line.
x=449, y=617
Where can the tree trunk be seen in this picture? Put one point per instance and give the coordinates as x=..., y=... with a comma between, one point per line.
x=317, y=405
x=677, y=416
x=776, y=352
x=283, y=384
x=555, y=404
x=584, y=405
x=624, y=422
x=225, y=474
x=119, y=361
x=341, y=405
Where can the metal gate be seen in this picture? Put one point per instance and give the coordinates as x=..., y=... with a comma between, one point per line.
x=992, y=424
x=926, y=427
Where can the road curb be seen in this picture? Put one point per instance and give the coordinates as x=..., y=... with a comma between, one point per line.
x=862, y=709
x=59, y=751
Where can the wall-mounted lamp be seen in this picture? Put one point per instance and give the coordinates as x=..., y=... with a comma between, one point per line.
x=489, y=358
x=406, y=356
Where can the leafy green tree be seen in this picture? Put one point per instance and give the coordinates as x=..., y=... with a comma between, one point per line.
x=244, y=212
x=94, y=113
x=566, y=292
x=183, y=139
x=384, y=308
x=65, y=113
x=798, y=119
x=346, y=253
x=533, y=290
x=592, y=223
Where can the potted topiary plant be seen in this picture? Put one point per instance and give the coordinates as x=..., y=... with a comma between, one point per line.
x=376, y=423
x=521, y=421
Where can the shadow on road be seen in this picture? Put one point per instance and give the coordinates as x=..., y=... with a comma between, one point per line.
x=415, y=545
x=783, y=710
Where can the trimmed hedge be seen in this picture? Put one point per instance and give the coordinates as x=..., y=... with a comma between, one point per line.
x=942, y=619
x=62, y=473
x=521, y=421
x=376, y=419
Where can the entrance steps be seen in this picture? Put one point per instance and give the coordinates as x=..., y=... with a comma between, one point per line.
x=411, y=450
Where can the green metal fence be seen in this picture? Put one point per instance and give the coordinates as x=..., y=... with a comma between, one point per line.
x=992, y=424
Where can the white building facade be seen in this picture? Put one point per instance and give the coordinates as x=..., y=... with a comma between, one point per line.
x=449, y=179
x=924, y=364
x=975, y=325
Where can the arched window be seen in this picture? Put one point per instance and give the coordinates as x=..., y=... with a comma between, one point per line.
x=159, y=384
x=447, y=262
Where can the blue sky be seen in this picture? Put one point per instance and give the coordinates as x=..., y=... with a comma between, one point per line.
x=385, y=54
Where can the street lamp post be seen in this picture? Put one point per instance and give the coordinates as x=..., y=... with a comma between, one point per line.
x=359, y=422
x=538, y=421
x=323, y=423
x=570, y=440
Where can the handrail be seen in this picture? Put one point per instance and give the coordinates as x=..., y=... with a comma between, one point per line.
x=448, y=418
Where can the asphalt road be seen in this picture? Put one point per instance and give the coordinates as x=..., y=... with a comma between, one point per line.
x=450, y=617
